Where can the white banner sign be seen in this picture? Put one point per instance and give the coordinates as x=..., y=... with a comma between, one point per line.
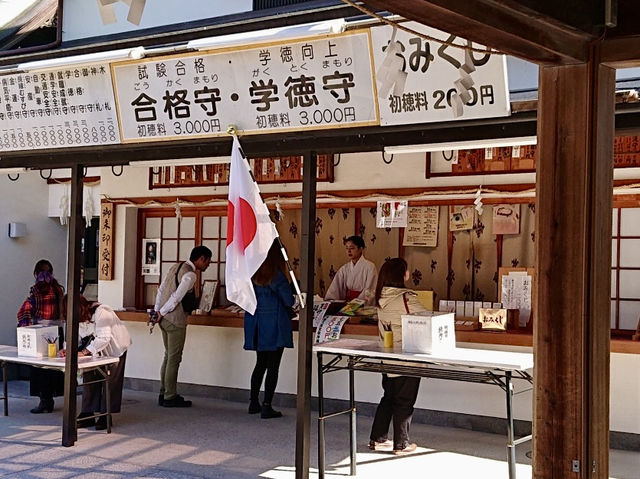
x=71, y=106
x=426, y=81
x=296, y=84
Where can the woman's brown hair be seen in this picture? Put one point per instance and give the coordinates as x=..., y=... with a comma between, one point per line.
x=391, y=274
x=85, y=311
x=273, y=263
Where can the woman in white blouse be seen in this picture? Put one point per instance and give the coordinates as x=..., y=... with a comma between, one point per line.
x=110, y=338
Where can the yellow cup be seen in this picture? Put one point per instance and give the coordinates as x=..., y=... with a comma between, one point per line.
x=387, y=339
x=52, y=350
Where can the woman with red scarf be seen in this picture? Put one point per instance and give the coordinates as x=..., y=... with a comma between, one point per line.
x=43, y=303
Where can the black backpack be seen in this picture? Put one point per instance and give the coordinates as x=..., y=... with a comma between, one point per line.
x=189, y=301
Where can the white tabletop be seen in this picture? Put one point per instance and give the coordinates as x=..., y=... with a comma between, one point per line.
x=10, y=355
x=477, y=358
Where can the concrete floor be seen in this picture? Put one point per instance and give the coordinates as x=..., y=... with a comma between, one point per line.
x=218, y=439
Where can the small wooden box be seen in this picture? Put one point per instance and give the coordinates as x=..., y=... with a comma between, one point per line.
x=498, y=319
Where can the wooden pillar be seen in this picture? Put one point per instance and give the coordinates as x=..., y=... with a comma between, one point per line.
x=76, y=232
x=305, y=331
x=573, y=238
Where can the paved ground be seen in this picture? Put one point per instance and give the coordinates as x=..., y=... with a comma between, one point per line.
x=218, y=439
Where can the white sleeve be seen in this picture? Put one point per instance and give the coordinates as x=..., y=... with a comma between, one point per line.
x=186, y=283
x=370, y=282
x=337, y=288
x=103, y=322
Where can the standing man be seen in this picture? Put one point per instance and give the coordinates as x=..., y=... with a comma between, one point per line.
x=175, y=291
x=357, y=278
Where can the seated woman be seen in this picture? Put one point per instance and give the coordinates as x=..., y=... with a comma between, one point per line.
x=400, y=392
x=43, y=304
x=101, y=333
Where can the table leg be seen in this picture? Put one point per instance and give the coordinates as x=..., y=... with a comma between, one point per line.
x=352, y=436
x=4, y=388
x=511, y=447
x=321, y=457
x=107, y=390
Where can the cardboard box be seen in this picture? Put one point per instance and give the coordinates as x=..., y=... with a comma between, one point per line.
x=427, y=298
x=32, y=342
x=429, y=332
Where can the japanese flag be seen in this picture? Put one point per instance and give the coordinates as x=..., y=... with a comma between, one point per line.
x=250, y=232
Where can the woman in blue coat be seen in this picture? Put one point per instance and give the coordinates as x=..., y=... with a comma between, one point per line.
x=268, y=331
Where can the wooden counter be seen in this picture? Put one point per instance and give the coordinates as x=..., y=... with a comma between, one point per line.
x=227, y=319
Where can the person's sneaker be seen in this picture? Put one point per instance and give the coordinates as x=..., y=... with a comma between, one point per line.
x=85, y=420
x=381, y=445
x=409, y=448
x=254, y=407
x=177, y=401
x=267, y=412
x=160, y=399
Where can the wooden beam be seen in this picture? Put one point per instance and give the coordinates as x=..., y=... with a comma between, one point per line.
x=621, y=52
x=76, y=231
x=507, y=26
x=343, y=140
x=305, y=335
x=573, y=251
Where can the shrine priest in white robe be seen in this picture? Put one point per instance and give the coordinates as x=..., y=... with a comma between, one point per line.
x=357, y=278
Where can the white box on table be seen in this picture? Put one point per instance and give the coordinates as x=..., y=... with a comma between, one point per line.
x=468, y=309
x=32, y=340
x=428, y=332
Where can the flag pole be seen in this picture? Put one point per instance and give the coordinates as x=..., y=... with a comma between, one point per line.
x=233, y=131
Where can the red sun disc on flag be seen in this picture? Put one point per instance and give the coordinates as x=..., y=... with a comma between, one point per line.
x=249, y=225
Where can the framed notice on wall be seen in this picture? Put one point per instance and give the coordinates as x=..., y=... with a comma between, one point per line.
x=151, y=256
x=422, y=226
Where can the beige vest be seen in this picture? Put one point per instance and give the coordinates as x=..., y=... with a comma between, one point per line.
x=177, y=317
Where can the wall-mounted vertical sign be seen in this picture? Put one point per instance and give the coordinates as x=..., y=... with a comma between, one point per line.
x=422, y=79
x=71, y=106
x=107, y=240
x=312, y=83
